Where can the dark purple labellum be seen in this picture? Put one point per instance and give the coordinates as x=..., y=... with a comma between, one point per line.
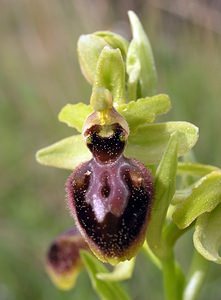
x=110, y=197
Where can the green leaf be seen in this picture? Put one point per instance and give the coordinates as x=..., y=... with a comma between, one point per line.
x=144, y=110
x=164, y=187
x=207, y=235
x=110, y=74
x=114, y=40
x=74, y=115
x=205, y=196
x=148, y=142
x=195, y=169
x=122, y=271
x=105, y=290
x=67, y=153
x=141, y=57
x=89, y=48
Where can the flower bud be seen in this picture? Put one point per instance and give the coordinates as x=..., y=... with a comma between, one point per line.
x=90, y=47
x=110, y=196
x=63, y=262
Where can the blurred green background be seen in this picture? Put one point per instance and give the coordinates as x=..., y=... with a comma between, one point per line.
x=39, y=73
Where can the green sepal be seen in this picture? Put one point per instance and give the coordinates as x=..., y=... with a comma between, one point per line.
x=110, y=74
x=144, y=110
x=148, y=142
x=74, y=115
x=106, y=290
x=121, y=271
x=114, y=40
x=89, y=48
x=204, y=197
x=207, y=235
x=66, y=154
x=164, y=189
x=141, y=57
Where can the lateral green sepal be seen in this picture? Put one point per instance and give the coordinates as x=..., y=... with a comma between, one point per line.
x=74, y=115
x=148, y=142
x=66, y=154
x=144, y=110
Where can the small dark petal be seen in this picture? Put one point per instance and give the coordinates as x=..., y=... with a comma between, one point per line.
x=111, y=204
x=106, y=148
x=63, y=258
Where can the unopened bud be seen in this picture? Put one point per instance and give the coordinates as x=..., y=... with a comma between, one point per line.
x=63, y=262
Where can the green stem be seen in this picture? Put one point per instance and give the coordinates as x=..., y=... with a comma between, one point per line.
x=173, y=276
x=180, y=282
x=169, y=278
x=198, y=269
x=171, y=234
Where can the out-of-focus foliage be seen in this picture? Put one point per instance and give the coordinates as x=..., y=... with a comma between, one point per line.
x=39, y=73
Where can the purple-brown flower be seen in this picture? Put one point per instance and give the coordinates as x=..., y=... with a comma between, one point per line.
x=110, y=196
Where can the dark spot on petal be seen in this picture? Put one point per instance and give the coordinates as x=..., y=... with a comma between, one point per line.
x=105, y=190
